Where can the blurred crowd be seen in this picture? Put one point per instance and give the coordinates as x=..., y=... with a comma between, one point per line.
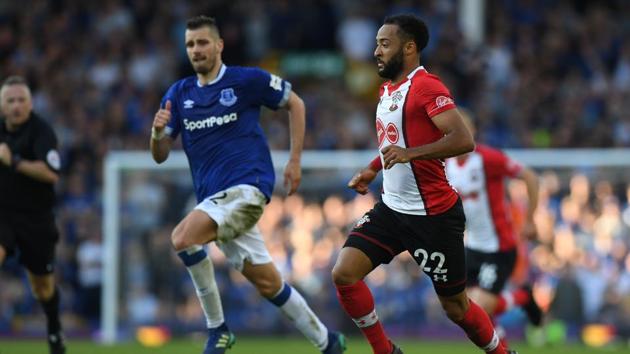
x=579, y=266
x=548, y=74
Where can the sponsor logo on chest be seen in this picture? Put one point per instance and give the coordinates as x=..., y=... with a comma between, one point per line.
x=209, y=122
x=390, y=132
x=380, y=131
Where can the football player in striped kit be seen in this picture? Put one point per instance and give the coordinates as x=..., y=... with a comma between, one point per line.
x=491, y=238
x=418, y=126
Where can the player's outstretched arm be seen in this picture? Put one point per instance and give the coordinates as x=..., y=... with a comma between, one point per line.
x=457, y=140
x=297, y=118
x=362, y=179
x=531, y=183
x=160, y=142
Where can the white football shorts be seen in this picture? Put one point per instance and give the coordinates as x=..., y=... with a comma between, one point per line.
x=236, y=211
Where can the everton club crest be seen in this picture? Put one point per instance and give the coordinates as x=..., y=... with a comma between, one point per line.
x=228, y=97
x=396, y=97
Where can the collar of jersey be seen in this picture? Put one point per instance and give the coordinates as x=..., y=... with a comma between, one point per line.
x=392, y=88
x=219, y=76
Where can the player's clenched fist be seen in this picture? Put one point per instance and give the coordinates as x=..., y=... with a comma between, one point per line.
x=161, y=119
x=5, y=154
x=163, y=116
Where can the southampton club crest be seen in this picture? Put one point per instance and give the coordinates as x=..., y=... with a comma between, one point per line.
x=228, y=97
x=396, y=97
x=365, y=218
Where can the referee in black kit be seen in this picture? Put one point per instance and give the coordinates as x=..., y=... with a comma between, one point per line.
x=29, y=167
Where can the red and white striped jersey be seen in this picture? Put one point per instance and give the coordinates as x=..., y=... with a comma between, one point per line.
x=403, y=118
x=479, y=179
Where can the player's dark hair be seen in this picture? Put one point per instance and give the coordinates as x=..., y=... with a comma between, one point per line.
x=14, y=80
x=410, y=27
x=202, y=21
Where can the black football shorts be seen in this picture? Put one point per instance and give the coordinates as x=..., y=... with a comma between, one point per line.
x=490, y=271
x=34, y=235
x=436, y=242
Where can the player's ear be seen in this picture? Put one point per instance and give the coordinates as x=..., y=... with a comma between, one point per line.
x=410, y=47
x=220, y=45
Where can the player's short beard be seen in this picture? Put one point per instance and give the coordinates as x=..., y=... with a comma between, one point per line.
x=203, y=69
x=393, y=67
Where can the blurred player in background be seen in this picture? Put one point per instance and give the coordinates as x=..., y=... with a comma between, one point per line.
x=491, y=239
x=217, y=114
x=418, y=126
x=29, y=168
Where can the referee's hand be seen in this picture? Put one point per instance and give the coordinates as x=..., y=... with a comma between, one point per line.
x=162, y=117
x=5, y=154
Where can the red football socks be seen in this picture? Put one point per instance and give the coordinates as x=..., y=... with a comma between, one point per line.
x=480, y=330
x=357, y=301
x=518, y=297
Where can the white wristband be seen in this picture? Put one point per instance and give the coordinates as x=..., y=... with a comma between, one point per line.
x=155, y=135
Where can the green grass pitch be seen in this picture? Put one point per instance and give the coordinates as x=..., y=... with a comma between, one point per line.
x=276, y=345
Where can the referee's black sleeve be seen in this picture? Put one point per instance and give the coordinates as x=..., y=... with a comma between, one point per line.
x=45, y=147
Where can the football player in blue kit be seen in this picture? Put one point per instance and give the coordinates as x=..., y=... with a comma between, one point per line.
x=217, y=115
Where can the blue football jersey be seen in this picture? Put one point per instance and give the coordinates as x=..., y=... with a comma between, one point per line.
x=220, y=129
